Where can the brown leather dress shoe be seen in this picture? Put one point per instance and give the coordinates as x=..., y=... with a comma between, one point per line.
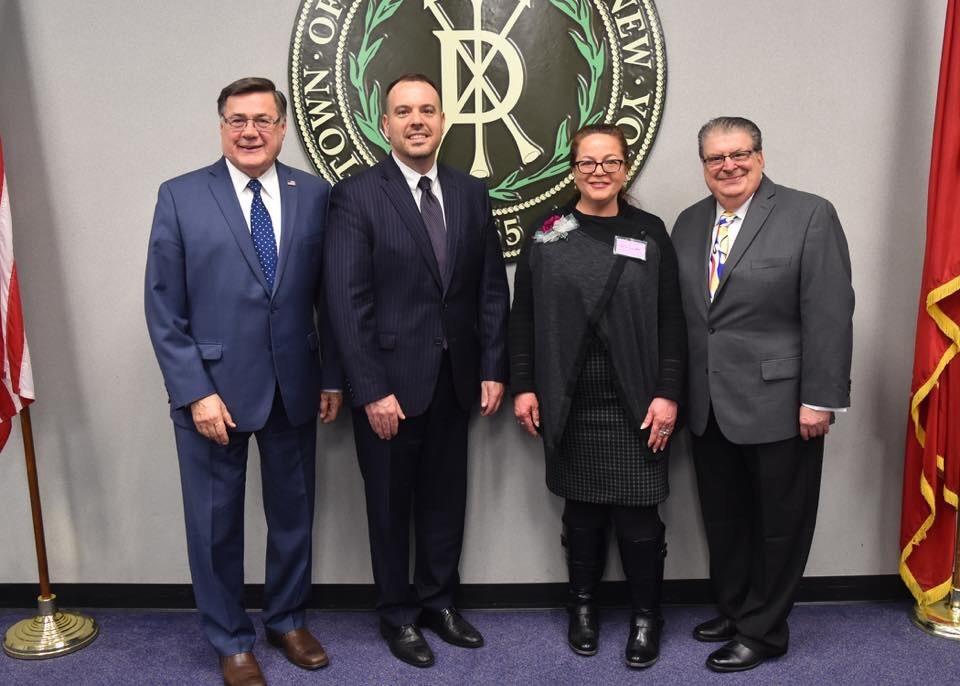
x=241, y=670
x=300, y=647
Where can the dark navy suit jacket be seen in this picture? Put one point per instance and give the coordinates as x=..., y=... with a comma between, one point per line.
x=215, y=325
x=388, y=305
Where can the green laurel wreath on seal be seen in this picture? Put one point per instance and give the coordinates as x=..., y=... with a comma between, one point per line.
x=592, y=52
x=368, y=118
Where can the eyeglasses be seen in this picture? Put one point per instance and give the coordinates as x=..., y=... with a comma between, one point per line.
x=717, y=161
x=590, y=166
x=259, y=123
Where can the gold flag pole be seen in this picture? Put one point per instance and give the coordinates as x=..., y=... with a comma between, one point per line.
x=52, y=632
x=942, y=618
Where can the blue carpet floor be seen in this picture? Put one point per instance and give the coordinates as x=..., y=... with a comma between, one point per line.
x=868, y=644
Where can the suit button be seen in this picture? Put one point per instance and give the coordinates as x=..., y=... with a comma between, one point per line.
x=438, y=341
x=711, y=330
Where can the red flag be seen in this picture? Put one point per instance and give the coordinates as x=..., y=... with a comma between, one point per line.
x=931, y=472
x=16, y=386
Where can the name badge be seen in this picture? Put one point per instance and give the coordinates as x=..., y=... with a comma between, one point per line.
x=630, y=247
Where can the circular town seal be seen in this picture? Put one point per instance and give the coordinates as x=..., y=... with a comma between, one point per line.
x=517, y=79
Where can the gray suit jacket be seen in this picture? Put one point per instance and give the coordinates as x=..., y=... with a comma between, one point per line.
x=779, y=332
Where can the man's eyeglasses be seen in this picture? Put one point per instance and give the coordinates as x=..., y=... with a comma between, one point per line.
x=590, y=166
x=259, y=123
x=717, y=161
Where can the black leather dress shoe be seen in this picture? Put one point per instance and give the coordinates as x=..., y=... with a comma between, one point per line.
x=407, y=644
x=715, y=630
x=450, y=626
x=734, y=657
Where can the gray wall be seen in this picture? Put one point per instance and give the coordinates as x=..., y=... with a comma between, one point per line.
x=100, y=102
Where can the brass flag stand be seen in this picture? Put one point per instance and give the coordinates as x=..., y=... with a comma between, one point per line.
x=52, y=632
x=943, y=617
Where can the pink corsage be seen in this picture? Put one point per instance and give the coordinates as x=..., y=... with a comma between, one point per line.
x=555, y=228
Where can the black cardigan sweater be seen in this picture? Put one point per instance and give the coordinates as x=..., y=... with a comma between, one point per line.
x=630, y=222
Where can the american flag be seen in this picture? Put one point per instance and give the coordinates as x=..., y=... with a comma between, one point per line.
x=16, y=384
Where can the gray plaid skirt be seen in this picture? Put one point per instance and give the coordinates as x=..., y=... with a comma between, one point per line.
x=602, y=458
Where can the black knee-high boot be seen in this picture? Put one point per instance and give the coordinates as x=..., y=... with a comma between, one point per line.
x=643, y=567
x=586, y=554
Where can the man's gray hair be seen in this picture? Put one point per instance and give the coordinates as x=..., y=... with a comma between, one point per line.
x=730, y=124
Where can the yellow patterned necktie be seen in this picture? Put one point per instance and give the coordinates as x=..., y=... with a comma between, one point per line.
x=719, y=251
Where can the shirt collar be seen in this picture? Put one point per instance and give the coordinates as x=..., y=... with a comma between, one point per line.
x=741, y=211
x=412, y=176
x=268, y=180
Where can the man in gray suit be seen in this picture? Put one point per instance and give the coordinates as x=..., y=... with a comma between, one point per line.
x=765, y=278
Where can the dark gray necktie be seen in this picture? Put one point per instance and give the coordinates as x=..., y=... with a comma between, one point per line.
x=433, y=218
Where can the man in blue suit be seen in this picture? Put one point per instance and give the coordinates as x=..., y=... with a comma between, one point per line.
x=232, y=321
x=418, y=302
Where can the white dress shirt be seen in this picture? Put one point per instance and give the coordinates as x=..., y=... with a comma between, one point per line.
x=269, y=192
x=412, y=177
x=733, y=229
x=732, y=232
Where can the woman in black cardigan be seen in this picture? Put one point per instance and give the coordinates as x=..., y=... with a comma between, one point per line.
x=597, y=350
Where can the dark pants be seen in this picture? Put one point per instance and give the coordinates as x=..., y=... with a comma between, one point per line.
x=759, y=505
x=630, y=523
x=213, y=480
x=423, y=469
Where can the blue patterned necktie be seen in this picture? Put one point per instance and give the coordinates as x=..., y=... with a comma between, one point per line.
x=261, y=229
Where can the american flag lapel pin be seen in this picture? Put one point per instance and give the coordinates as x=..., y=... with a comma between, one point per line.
x=291, y=182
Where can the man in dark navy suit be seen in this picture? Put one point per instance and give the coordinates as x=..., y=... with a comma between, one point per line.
x=232, y=320
x=418, y=301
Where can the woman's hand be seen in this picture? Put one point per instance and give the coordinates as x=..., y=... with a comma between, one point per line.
x=526, y=408
x=661, y=418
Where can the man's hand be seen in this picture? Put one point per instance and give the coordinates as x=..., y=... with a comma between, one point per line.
x=814, y=423
x=212, y=418
x=384, y=416
x=661, y=418
x=491, y=395
x=330, y=403
x=526, y=408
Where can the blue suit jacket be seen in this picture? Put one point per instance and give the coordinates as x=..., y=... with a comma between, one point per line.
x=388, y=306
x=215, y=326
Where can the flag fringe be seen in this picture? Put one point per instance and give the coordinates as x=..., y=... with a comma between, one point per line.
x=940, y=590
x=952, y=331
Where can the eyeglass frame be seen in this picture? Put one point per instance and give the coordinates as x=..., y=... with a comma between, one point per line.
x=717, y=161
x=601, y=164
x=233, y=121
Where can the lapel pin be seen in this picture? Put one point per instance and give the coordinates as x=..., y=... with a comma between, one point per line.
x=291, y=182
